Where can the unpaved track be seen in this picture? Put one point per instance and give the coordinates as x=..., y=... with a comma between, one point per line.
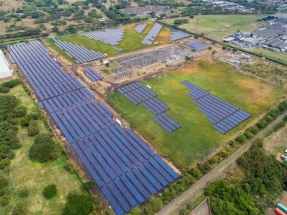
x=219, y=172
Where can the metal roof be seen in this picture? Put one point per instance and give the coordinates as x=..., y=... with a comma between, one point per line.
x=4, y=66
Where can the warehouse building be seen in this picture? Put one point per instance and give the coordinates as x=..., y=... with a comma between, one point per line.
x=5, y=70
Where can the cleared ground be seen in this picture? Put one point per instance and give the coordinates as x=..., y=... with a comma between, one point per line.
x=196, y=138
x=281, y=56
x=211, y=24
x=35, y=176
x=131, y=41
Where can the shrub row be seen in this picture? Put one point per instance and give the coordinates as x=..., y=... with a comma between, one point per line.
x=6, y=86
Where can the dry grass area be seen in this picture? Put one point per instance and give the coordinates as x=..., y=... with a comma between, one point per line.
x=10, y=4
x=276, y=142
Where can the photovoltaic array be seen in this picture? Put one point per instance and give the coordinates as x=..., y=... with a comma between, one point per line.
x=124, y=168
x=224, y=115
x=138, y=94
x=82, y=54
x=109, y=36
x=197, y=46
x=92, y=74
x=148, y=40
x=140, y=27
x=176, y=35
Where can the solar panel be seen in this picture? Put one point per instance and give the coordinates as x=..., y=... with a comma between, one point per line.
x=197, y=46
x=222, y=114
x=121, y=164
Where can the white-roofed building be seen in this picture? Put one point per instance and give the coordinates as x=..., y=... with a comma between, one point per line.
x=5, y=70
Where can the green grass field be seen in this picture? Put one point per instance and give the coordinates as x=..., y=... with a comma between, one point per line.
x=196, y=138
x=281, y=56
x=211, y=24
x=36, y=176
x=131, y=42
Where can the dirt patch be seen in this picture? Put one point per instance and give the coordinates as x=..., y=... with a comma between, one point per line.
x=276, y=142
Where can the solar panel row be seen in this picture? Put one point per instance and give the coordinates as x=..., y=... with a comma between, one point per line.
x=176, y=35
x=152, y=34
x=125, y=169
x=109, y=36
x=82, y=54
x=92, y=74
x=118, y=49
x=138, y=94
x=197, y=46
x=223, y=115
x=140, y=27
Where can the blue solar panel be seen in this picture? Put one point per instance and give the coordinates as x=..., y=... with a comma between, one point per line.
x=197, y=46
x=223, y=115
x=120, y=163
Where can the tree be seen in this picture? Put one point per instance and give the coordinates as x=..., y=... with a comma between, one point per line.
x=187, y=58
x=33, y=129
x=177, y=21
x=234, y=49
x=78, y=204
x=50, y=191
x=213, y=52
x=44, y=151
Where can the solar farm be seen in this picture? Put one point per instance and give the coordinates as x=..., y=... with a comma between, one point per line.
x=138, y=94
x=124, y=168
x=82, y=54
x=197, y=103
x=120, y=114
x=148, y=40
x=197, y=46
x=177, y=35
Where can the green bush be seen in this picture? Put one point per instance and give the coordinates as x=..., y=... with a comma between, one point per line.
x=41, y=138
x=3, y=182
x=44, y=149
x=253, y=130
x=50, y=191
x=4, y=200
x=33, y=129
x=4, y=163
x=24, y=122
x=248, y=134
x=78, y=204
x=241, y=139
x=24, y=192
x=195, y=172
x=20, y=112
x=4, y=89
x=19, y=209
x=33, y=116
x=261, y=124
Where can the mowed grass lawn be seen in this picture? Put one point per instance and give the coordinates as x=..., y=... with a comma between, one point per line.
x=211, y=24
x=281, y=56
x=36, y=176
x=196, y=138
x=131, y=41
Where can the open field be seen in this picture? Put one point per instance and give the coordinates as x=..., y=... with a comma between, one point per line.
x=281, y=56
x=196, y=138
x=132, y=41
x=36, y=176
x=211, y=24
x=276, y=142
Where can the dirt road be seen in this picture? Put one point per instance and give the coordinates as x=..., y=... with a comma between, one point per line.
x=219, y=172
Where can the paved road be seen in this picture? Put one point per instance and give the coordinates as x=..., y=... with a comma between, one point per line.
x=219, y=172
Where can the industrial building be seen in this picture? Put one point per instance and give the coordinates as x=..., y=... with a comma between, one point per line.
x=5, y=70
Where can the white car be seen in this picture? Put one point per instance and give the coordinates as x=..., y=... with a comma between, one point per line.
x=286, y=151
